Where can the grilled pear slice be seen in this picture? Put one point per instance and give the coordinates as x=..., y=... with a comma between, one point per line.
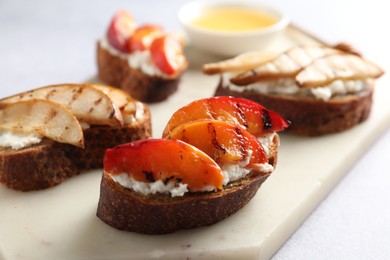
x=337, y=67
x=242, y=62
x=287, y=64
x=42, y=118
x=88, y=104
x=122, y=100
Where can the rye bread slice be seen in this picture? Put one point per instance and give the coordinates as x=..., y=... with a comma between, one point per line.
x=116, y=71
x=310, y=116
x=49, y=163
x=125, y=209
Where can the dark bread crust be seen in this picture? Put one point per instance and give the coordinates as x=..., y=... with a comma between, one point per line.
x=49, y=163
x=116, y=71
x=128, y=210
x=309, y=116
x=37, y=167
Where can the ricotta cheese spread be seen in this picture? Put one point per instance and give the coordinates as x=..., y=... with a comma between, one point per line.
x=231, y=172
x=288, y=86
x=17, y=141
x=138, y=60
x=147, y=188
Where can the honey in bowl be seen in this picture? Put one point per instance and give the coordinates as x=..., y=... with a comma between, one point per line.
x=234, y=19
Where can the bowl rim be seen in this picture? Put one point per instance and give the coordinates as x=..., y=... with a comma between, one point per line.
x=283, y=21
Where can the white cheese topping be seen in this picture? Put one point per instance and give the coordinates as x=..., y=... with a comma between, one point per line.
x=147, y=188
x=84, y=125
x=231, y=172
x=266, y=141
x=288, y=86
x=137, y=60
x=17, y=141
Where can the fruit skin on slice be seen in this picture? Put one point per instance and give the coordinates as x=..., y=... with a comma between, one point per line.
x=167, y=160
x=167, y=54
x=121, y=27
x=143, y=36
x=224, y=142
x=87, y=103
x=42, y=118
x=250, y=115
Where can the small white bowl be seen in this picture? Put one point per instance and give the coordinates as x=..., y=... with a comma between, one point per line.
x=230, y=43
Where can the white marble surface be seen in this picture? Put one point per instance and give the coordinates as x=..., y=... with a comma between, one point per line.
x=50, y=41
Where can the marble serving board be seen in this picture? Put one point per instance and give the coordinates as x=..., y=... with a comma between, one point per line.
x=61, y=222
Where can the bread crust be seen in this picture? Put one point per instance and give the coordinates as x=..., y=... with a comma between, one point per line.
x=128, y=210
x=310, y=116
x=49, y=163
x=115, y=71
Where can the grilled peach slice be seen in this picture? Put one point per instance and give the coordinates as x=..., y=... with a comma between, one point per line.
x=167, y=54
x=88, y=104
x=121, y=28
x=224, y=142
x=43, y=118
x=143, y=36
x=250, y=115
x=167, y=160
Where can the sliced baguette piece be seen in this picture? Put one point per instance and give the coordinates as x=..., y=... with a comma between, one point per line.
x=49, y=163
x=159, y=213
x=115, y=70
x=310, y=116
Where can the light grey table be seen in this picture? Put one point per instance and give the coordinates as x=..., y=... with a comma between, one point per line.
x=45, y=42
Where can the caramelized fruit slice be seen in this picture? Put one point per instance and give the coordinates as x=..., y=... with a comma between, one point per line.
x=43, y=118
x=121, y=27
x=143, y=36
x=248, y=114
x=88, y=104
x=167, y=160
x=122, y=100
x=224, y=142
x=337, y=67
x=287, y=64
x=242, y=62
x=167, y=54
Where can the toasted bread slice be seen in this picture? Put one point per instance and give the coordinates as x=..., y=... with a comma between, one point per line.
x=49, y=163
x=126, y=209
x=310, y=116
x=115, y=70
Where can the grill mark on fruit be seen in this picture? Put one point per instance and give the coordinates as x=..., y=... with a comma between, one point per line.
x=241, y=141
x=50, y=94
x=168, y=179
x=214, y=141
x=29, y=94
x=267, y=123
x=112, y=114
x=290, y=58
x=149, y=176
x=76, y=93
x=241, y=114
x=52, y=114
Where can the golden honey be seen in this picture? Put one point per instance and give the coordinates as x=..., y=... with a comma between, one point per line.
x=227, y=18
